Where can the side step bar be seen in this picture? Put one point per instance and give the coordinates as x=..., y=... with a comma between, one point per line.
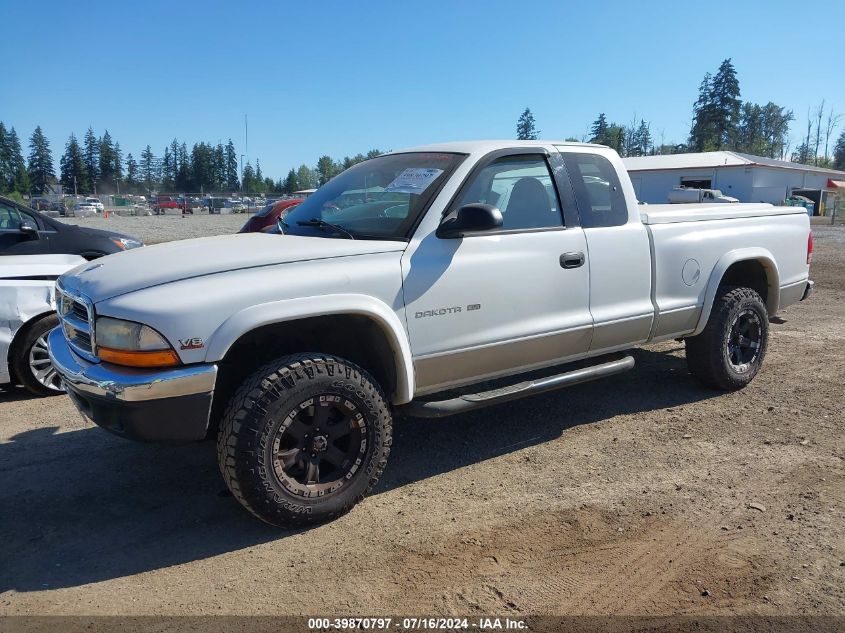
x=472, y=401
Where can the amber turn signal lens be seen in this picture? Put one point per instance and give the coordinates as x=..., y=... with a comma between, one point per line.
x=158, y=358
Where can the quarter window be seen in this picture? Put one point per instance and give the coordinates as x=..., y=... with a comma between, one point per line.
x=523, y=190
x=600, y=198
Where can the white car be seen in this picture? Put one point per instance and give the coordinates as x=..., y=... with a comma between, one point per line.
x=96, y=203
x=407, y=284
x=27, y=314
x=84, y=210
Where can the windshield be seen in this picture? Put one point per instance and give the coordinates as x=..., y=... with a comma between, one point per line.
x=378, y=199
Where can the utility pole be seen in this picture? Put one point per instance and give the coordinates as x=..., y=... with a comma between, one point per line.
x=246, y=137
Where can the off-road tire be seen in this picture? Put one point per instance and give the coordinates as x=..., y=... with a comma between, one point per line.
x=708, y=356
x=19, y=356
x=258, y=410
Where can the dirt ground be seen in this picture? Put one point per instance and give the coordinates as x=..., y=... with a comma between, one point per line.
x=628, y=496
x=154, y=229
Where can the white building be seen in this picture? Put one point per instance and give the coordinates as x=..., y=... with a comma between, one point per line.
x=742, y=176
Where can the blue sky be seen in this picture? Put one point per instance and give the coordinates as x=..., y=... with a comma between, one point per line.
x=339, y=77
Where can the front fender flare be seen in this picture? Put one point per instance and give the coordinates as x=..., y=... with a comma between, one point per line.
x=761, y=255
x=272, y=312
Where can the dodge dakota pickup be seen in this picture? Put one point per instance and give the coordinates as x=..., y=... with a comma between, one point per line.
x=427, y=281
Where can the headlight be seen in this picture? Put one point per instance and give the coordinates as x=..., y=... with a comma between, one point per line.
x=133, y=344
x=126, y=243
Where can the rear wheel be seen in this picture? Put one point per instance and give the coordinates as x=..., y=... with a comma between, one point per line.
x=304, y=439
x=31, y=362
x=729, y=351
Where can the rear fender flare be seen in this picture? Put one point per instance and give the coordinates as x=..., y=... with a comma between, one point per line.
x=761, y=255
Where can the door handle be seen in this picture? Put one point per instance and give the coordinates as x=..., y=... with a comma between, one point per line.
x=572, y=260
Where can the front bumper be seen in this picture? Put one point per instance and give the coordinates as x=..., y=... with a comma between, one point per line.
x=164, y=405
x=809, y=289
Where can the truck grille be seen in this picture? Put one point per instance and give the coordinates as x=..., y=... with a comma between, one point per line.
x=76, y=315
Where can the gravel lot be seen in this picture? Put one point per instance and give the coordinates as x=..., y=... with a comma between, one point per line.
x=631, y=496
x=154, y=229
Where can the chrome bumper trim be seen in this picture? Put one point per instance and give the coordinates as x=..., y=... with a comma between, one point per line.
x=125, y=383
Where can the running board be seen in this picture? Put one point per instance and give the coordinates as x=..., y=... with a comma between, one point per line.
x=472, y=401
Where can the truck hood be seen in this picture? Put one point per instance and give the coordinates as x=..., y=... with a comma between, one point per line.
x=174, y=261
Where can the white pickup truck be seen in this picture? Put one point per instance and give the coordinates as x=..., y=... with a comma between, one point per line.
x=401, y=286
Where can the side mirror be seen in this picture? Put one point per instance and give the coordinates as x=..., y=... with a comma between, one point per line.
x=29, y=229
x=471, y=218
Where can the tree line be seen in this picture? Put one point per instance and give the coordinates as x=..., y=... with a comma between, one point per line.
x=97, y=165
x=721, y=121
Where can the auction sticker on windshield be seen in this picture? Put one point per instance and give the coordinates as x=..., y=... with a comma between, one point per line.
x=413, y=180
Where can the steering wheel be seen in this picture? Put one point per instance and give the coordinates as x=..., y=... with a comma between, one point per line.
x=332, y=207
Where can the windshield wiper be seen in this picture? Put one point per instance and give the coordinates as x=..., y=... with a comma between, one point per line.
x=322, y=224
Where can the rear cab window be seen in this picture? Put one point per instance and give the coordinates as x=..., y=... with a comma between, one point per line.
x=598, y=191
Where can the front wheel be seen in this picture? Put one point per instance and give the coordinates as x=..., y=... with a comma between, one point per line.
x=729, y=351
x=31, y=361
x=304, y=439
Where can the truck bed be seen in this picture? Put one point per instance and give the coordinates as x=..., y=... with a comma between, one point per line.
x=671, y=213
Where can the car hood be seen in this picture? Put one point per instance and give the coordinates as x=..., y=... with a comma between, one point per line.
x=174, y=261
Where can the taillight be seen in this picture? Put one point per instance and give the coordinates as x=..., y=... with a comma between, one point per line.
x=810, y=248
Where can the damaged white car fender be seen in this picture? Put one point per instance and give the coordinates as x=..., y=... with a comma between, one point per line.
x=27, y=292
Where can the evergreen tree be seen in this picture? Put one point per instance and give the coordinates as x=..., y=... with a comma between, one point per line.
x=727, y=103
x=202, y=167
x=259, y=177
x=373, y=153
x=72, y=167
x=717, y=111
x=839, y=152
x=232, y=183
x=526, y=130
x=148, y=169
x=183, y=169
x=598, y=131
x=248, y=178
x=167, y=164
x=291, y=183
x=326, y=170
x=40, y=167
x=132, y=173
x=616, y=138
x=91, y=156
x=703, y=135
x=118, y=162
x=643, y=140
x=19, y=182
x=106, y=175
x=219, y=166
x=306, y=177
x=5, y=160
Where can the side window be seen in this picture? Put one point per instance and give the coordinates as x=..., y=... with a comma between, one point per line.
x=10, y=218
x=523, y=190
x=600, y=198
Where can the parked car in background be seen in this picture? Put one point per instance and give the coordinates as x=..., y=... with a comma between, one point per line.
x=27, y=314
x=268, y=215
x=27, y=232
x=97, y=204
x=164, y=202
x=690, y=195
x=84, y=210
x=214, y=204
